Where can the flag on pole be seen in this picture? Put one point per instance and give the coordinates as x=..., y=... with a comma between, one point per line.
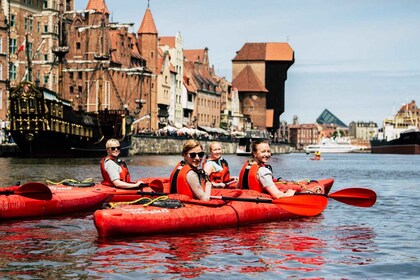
x=21, y=47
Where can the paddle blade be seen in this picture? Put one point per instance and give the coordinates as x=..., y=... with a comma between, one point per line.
x=156, y=185
x=303, y=204
x=359, y=197
x=34, y=190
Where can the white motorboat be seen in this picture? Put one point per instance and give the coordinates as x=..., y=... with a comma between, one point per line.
x=333, y=145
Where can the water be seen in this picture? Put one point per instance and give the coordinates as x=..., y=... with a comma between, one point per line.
x=345, y=242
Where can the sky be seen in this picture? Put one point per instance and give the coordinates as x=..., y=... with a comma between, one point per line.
x=360, y=59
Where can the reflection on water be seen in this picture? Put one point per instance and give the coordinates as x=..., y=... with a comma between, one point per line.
x=344, y=242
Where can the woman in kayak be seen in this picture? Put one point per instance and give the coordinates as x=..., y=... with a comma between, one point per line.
x=114, y=170
x=187, y=178
x=257, y=175
x=217, y=168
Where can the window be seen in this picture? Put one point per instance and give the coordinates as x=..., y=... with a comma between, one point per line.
x=71, y=75
x=12, y=46
x=78, y=46
x=12, y=20
x=45, y=57
x=1, y=44
x=1, y=98
x=79, y=75
x=1, y=73
x=45, y=4
x=12, y=71
x=45, y=28
x=71, y=89
x=46, y=78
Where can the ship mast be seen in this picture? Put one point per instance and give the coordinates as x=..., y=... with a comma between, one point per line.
x=101, y=56
x=61, y=50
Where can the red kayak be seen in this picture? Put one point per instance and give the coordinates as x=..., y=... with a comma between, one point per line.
x=228, y=208
x=37, y=199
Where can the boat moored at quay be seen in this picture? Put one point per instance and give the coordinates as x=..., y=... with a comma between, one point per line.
x=407, y=143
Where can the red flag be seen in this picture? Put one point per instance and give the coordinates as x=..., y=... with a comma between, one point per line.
x=22, y=47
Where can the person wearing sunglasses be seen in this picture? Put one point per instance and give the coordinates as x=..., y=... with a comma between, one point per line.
x=217, y=168
x=187, y=178
x=114, y=170
x=257, y=175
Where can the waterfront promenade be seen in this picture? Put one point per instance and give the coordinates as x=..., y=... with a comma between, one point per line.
x=164, y=145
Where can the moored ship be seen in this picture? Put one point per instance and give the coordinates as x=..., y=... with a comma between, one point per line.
x=332, y=145
x=42, y=124
x=407, y=143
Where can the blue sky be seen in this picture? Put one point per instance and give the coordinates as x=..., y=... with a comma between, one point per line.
x=360, y=59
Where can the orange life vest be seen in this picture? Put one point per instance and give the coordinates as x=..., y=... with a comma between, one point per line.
x=248, y=179
x=221, y=176
x=124, y=174
x=178, y=179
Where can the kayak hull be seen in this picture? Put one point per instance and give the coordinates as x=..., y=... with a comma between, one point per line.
x=65, y=200
x=139, y=220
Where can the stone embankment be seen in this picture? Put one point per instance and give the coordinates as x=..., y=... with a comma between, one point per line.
x=173, y=146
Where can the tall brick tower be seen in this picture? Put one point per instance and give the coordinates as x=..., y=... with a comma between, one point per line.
x=148, y=46
x=259, y=71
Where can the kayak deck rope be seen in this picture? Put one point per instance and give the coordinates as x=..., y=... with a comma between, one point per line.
x=72, y=182
x=147, y=201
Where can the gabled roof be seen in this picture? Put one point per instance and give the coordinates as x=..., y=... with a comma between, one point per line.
x=327, y=117
x=247, y=81
x=97, y=5
x=265, y=52
x=167, y=41
x=147, y=26
x=195, y=55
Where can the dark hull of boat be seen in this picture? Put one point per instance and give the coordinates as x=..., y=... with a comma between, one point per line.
x=44, y=125
x=53, y=144
x=408, y=143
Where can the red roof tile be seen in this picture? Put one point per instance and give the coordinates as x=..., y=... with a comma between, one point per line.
x=247, y=81
x=148, y=24
x=167, y=41
x=194, y=55
x=97, y=5
x=265, y=51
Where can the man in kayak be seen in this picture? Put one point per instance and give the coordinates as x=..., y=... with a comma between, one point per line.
x=187, y=178
x=217, y=168
x=257, y=175
x=114, y=170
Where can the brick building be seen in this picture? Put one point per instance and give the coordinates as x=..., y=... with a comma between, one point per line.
x=259, y=71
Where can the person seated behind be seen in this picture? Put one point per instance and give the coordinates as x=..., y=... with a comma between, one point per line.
x=217, y=168
x=317, y=155
x=114, y=170
x=187, y=178
x=257, y=175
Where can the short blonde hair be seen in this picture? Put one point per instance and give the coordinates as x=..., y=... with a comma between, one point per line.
x=110, y=143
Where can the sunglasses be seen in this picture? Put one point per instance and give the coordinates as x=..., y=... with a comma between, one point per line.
x=193, y=155
x=115, y=148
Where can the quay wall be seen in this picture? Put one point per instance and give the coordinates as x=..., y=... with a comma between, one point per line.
x=173, y=146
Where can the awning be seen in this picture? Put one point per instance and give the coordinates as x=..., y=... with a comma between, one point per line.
x=213, y=130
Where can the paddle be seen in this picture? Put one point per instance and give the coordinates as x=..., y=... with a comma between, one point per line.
x=302, y=205
x=33, y=190
x=359, y=197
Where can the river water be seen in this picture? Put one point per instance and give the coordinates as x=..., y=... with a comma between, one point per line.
x=344, y=242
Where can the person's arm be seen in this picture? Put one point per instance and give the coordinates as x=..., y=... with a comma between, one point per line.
x=265, y=176
x=113, y=171
x=208, y=169
x=125, y=185
x=195, y=185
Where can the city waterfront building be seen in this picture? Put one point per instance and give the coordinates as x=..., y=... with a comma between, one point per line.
x=301, y=135
x=174, y=44
x=259, y=71
x=207, y=102
x=3, y=68
x=363, y=130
